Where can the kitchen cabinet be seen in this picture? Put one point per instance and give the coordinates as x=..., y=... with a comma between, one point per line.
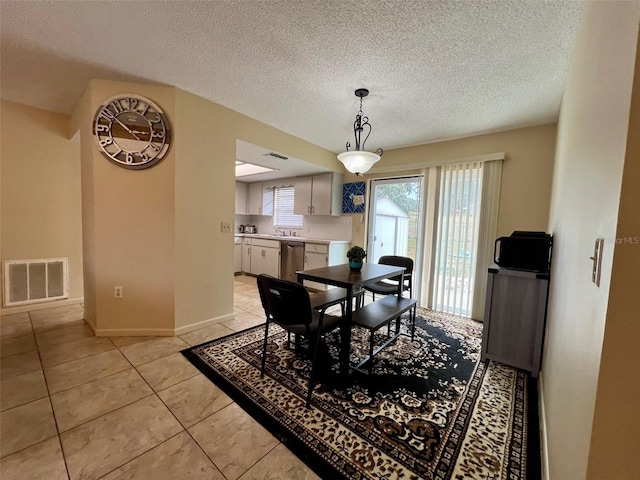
x=259, y=199
x=237, y=258
x=514, y=318
x=246, y=255
x=318, y=194
x=319, y=255
x=265, y=257
x=241, y=198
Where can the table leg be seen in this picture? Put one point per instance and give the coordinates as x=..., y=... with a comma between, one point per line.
x=345, y=334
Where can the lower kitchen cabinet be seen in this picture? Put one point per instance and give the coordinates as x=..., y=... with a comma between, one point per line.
x=237, y=258
x=514, y=318
x=265, y=257
x=318, y=255
x=246, y=255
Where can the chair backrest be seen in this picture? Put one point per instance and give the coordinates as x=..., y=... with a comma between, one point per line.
x=284, y=302
x=398, y=261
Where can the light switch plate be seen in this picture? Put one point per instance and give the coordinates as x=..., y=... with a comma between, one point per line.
x=225, y=227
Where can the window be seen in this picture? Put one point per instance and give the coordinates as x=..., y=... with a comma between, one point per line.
x=283, y=216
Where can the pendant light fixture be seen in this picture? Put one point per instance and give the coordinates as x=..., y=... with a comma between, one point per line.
x=358, y=161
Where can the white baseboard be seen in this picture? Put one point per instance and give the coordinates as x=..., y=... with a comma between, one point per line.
x=134, y=332
x=120, y=332
x=40, y=306
x=542, y=418
x=159, y=332
x=205, y=323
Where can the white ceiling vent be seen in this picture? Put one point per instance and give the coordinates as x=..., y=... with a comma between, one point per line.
x=275, y=155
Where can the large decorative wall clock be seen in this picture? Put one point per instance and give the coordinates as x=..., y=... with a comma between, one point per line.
x=132, y=131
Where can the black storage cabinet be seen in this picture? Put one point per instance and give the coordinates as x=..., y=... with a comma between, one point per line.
x=514, y=318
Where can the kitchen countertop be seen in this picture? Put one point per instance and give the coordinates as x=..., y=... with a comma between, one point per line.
x=290, y=238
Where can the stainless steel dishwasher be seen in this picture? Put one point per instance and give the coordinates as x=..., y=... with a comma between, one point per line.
x=291, y=259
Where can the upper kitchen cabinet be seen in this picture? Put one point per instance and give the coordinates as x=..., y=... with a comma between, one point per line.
x=253, y=199
x=241, y=198
x=318, y=194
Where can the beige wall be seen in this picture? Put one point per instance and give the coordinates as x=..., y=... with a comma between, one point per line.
x=129, y=222
x=526, y=173
x=206, y=136
x=592, y=135
x=615, y=438
x=40, y=190
x=157, y=232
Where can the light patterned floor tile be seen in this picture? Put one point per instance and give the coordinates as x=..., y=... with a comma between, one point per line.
x=178, y=457
x=206, y=334
x=42, y=461
x=26, y=425
x=14, y=319
x=108, y=442
x=49, y=318
x=69, y=351
x=238, y=442
x=277, y=464
x=194, y=399
x=76, y=331
x=91, y=400
x=19, y=364
x=240, y=287
x=150, y=350
x=16, y=325
x=84, y=370
x=17, y=391
x=167, y=371
x=13, y=345
x=88, y=377
x=244, y=321
x=126, y=341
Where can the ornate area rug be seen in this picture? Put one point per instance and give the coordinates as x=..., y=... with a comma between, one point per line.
x=430, y=410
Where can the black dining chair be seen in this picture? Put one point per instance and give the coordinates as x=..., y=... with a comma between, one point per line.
x=390, y=286
x=287, y=304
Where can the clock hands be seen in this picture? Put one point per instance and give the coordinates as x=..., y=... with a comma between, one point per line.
x=112, y=116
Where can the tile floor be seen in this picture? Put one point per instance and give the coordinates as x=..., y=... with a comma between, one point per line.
x=74, y=406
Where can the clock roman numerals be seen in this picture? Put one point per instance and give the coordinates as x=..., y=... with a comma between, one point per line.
x=132, y=131
x=116, y=107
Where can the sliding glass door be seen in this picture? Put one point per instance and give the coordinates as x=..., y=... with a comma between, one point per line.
x=456, y=245
x=394, y=219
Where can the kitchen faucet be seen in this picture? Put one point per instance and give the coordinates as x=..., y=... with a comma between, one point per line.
x=281, y=232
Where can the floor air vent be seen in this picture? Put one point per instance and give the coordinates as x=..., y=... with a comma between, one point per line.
x=34, y=281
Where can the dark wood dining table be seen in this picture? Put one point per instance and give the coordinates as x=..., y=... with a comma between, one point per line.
x=352, y=281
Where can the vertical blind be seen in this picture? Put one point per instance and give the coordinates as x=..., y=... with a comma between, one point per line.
x=283, y=216
x=457, y=237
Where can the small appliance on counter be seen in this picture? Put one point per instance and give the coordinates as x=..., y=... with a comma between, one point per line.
x=250, y=229
x=529, y=251
x=241, y=228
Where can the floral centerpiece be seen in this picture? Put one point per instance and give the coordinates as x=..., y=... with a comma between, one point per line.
x=356, y=255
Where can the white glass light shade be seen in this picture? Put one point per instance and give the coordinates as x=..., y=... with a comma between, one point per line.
x=358, y=161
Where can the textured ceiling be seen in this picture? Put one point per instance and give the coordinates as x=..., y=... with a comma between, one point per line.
x=436, y=69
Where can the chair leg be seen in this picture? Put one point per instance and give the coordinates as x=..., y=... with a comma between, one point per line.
x=264, y=348
x=312, y=377
x=371, y=352
x=412, y=316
